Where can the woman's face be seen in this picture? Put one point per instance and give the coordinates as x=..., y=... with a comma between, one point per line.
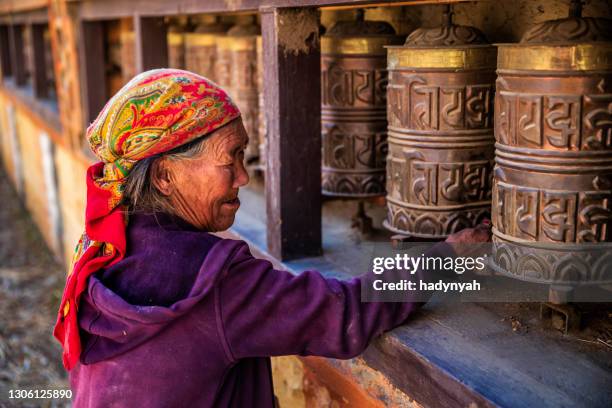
x=204, y=189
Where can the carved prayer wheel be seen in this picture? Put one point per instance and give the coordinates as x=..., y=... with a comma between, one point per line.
x=237, y=73
x=262, y=110
x=553, y=175
x=353, y=107
x=128, y=55
x=176, y=47
x=113, y=65
x=441, y=145
x=128, y=49
x=201, y=47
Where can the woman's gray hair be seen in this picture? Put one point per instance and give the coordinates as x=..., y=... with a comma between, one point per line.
x=140, y=195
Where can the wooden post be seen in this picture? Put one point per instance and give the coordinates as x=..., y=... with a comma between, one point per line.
x=292, y=99
x=39, y=76
x=92, y=71
x=17, y=55
x=5, y=52
x=151, y=44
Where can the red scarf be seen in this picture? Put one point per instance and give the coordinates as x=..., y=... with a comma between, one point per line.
x=155, y=112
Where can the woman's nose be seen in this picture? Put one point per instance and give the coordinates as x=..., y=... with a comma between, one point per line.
x=242, y=177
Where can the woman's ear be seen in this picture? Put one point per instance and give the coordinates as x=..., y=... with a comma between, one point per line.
x=162, y=176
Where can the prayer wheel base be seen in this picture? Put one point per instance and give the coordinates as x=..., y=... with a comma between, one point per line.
x=432, y=224
x=564, y=317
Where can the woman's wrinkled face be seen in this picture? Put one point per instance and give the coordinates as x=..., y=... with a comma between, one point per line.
x=204, y=189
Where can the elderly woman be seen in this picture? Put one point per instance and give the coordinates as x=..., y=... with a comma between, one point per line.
x=157, y=311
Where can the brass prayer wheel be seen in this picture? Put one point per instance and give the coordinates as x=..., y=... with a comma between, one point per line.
x=237, y=73
x=441, y=145
x=553, y=127
x=128, y=55
x=262, y=110
x=128, y=49
x=176, y=47
x=353, y=107
x=201, y=47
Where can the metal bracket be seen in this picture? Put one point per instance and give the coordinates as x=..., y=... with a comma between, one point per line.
x=565, y=317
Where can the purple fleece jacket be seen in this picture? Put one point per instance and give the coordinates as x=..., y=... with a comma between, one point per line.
x=188, y=319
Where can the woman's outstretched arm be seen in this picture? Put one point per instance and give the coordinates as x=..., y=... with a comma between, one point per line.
x=268, y=312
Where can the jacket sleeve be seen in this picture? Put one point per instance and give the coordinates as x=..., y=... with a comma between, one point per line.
x=267, y=312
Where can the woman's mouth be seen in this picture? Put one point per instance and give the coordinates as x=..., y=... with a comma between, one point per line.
x=233, y=203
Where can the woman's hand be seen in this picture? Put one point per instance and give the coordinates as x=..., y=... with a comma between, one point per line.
x=481, y=233
x=465, y=242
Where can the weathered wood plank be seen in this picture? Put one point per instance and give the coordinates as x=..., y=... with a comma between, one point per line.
x=98, y=9
x=151, y=45
x=36, y=16
x=293, y=112
x=93, y=75
x=39, y=74
x=23, y=6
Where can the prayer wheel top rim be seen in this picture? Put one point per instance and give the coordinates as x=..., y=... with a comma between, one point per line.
x=244, y=30
x=360, y=27
x=176, y=38
x=246, y=43
x=216, y=28
x=574, y=28
x=127, y=35
x=569, y=44
x=449, y=35
x=448, y=46
x=560, y=57
x=203, y=39
x=358, y=45
x=359, y=37
x=571, y=29
x=465, y=57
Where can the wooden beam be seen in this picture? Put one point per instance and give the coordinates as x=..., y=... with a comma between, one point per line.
x=18, y=55
x=92, y=62
x=38, y=16
x=292, y=94
x=151, y=44
x=39, y=76
x=5, y=52
x=23, y=6
x=106, y=9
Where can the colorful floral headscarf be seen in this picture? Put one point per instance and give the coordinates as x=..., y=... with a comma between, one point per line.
x=155, y=112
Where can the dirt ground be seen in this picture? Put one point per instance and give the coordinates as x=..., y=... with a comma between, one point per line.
x=31, y=283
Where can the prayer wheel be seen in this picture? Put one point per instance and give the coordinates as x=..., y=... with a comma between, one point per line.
x=552, y=187
x=113, y=65
x=176, y=47
x=262, y=110
x=441, y=145
x=223, y=64
x=353, y=107
x=201, y=47
x=128, y=49
x=128, y=55
x=237, y=73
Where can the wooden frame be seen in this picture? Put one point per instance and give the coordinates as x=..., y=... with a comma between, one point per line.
x=293, y=172
x=104, y=9
x=93, y=77
x=26, y=17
